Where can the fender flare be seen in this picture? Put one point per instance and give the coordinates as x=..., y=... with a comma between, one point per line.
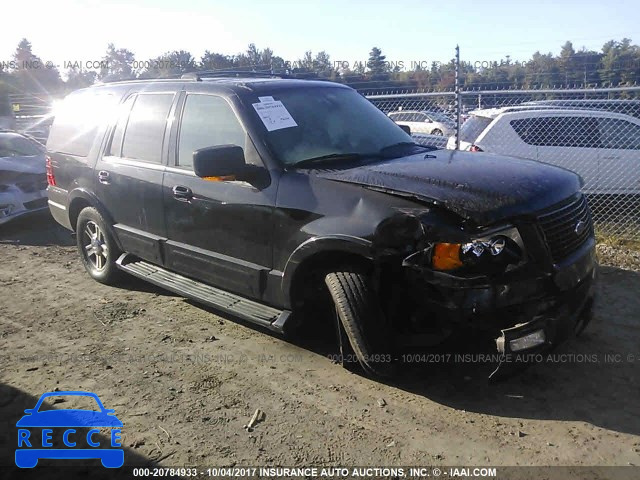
x=315, y=245
x=94, y=201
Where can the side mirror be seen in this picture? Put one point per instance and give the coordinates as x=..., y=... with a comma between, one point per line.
x=219, y=161
x=29, y=411
x=427, y=120
x=406, y=128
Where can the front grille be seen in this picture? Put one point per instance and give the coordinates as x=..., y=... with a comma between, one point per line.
x=559, y=227
x=38, y=203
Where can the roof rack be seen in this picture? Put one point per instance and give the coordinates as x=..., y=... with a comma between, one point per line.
x=198, y=76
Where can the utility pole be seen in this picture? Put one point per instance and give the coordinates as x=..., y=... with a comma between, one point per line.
x=458, y=97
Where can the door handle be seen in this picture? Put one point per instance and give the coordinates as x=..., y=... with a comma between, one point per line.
x=103, y=177
x=183, y=194
x=611, y=157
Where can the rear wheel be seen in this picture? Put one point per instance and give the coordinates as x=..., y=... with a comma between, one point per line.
x=97, y=248
x=363, y=332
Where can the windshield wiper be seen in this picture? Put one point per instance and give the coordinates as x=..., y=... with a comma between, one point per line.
x=389, y=148
x=334, y=156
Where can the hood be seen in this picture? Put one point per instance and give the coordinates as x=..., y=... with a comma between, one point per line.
x=482, y=187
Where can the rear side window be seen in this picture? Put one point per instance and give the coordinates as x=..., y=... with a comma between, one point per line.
x=77, y=121
x=559, y=131
x=207, y=121
x=115, y=148
x=619, y=134
x=145, y=128
x=473, y=127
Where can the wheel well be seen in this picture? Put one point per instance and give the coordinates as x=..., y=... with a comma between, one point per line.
x=77, y=204
x=308, y=278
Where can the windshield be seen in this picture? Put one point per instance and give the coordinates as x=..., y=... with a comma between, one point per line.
x=328, y=122
x=473, y=127
x=439, y=117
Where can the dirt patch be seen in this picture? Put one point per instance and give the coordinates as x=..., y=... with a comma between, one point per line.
x=185, y=381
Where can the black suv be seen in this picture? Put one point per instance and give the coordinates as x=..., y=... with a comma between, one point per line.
x=267, y=196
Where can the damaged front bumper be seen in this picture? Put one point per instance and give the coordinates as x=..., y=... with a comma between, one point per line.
x=525, y=312
x=569, y=316
x=15, y=203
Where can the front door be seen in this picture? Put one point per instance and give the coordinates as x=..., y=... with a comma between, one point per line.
x=218, y=231
x=620, y=156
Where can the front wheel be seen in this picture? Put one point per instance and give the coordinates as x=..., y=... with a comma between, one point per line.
x=361, y=320
x=97, y=248
x=437, y=131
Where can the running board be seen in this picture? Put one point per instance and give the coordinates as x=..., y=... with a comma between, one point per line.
x=254, y=312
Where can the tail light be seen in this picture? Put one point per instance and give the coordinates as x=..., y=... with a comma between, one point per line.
x=475, y=148
x=51, y=178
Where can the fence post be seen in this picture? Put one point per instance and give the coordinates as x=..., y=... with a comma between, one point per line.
x=458, y=97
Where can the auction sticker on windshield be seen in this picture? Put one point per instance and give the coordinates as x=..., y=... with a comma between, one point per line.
x=274, y=115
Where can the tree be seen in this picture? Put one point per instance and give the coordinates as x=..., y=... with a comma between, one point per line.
x=566, y=63
x=170, y=64
x=80, y=78
x=322, y=65
x=31, y=74
x=376, y=63
x=215, y=61
x=118, y=64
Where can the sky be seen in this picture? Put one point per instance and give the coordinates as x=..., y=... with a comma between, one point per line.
x=406, y=31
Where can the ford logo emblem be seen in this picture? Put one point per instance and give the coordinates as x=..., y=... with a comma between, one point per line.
x=580, y=227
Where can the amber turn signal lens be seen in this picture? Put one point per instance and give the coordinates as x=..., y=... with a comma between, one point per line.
x=446, y=256
x=226, y=178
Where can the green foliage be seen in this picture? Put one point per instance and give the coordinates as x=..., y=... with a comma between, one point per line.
x=618, y=63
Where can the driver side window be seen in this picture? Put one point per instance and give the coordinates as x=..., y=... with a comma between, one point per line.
x=207, y=121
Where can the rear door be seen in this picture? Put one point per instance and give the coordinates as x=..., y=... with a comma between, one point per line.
x=572, y=142
x=219, y=231
x=129, y=175
x=620, y=156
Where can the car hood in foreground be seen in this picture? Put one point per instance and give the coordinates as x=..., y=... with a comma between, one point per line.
x=484, y=188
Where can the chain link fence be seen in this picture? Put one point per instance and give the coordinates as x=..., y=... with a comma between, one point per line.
x=33, y=114
x=594, y=132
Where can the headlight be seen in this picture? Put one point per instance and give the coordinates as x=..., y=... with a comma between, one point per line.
x=492, y=253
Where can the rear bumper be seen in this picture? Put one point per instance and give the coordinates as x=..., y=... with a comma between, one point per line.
x=58, y=205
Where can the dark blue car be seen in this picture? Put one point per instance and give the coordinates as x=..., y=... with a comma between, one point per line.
x=31, y=448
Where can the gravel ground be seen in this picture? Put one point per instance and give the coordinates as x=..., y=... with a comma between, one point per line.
x=185, y=381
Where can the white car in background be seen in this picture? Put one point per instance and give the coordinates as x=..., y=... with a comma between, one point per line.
x=433, y=123
x=602, y=147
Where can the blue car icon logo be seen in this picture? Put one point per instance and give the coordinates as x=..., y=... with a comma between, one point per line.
x=38, y=428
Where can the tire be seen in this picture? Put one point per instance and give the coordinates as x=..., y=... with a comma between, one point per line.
x=361, y=321
x=437, y=131
x=97, y=248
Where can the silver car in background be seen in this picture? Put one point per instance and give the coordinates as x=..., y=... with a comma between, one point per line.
x=432, y=123
x=23, y=179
